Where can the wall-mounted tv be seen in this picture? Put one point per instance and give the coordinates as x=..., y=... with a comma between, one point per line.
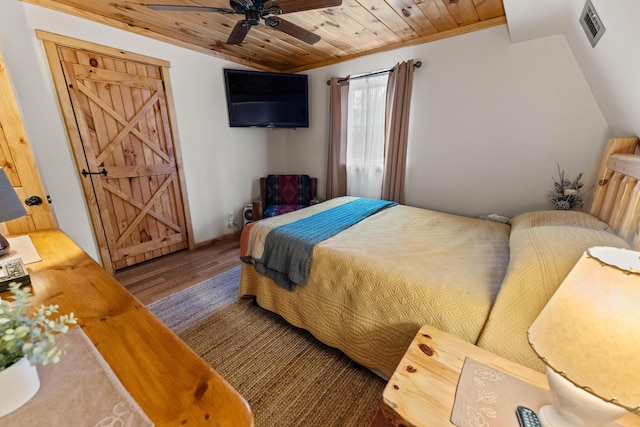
x=262, y=99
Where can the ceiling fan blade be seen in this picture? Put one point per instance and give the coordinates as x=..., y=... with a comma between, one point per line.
x=239, y=32
x=290, y=6
x=181, y=8
x=292, y=29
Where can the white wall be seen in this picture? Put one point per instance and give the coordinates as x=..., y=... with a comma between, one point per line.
x=221, y=164
x=490, y=120
x=612, y=68
x=609, y=68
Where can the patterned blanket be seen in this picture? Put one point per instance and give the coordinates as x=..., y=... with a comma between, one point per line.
x=287, y=249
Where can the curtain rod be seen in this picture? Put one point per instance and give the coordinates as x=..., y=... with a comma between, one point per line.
x=417, y=64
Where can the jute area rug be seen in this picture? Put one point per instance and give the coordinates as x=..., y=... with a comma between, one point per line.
x=288, y=377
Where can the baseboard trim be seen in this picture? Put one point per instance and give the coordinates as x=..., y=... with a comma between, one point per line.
x=234, y=235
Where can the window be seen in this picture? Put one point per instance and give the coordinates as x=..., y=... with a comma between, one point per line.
x=365, y=135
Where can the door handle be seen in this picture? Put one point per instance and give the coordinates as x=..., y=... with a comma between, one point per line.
x=33, y=201
x=102, y=172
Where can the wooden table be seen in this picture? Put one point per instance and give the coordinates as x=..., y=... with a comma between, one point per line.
x=421, y=391
x=169, y=381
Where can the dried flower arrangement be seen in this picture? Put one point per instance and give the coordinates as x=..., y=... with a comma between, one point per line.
x=566, y=194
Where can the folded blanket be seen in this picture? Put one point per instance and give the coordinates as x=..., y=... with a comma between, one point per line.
x=288, y=248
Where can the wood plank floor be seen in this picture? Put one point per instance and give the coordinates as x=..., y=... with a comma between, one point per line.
x=157, y=278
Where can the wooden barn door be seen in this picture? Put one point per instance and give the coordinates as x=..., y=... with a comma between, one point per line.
x=117, y=114
x=16, y=159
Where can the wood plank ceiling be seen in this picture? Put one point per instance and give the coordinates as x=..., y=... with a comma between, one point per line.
x=356, y=28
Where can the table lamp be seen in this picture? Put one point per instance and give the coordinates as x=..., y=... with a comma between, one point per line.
x=588, y=336
x=10, y=207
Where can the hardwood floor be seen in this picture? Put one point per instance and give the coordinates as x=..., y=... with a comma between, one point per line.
x=157, y=278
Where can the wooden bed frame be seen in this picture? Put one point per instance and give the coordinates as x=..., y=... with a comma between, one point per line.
x=616, y=199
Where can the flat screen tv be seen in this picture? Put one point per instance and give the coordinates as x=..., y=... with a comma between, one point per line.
x=262, y=99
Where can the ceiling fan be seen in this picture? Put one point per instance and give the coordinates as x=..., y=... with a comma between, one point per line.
x=256, y=11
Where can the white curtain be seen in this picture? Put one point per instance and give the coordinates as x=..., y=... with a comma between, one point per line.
x=365, y=135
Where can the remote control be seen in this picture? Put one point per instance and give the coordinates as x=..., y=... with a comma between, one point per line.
x=527, y=417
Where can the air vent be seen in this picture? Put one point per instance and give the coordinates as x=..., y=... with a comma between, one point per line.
x=591, y=23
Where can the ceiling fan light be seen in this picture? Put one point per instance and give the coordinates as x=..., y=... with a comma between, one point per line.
x=272, y=22
x=274, y=9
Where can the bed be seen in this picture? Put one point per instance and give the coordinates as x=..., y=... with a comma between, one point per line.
x=367, y=288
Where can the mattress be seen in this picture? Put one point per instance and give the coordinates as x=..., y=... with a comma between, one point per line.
x=372, y=286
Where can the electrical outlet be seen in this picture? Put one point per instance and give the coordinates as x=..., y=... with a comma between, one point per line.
x=231, y=219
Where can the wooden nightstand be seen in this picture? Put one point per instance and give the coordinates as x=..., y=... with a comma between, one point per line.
x=421, y=391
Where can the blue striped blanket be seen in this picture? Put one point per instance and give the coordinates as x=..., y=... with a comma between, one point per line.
x=288, y=248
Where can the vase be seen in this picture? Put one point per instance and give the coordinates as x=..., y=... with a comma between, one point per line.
x=18, y=384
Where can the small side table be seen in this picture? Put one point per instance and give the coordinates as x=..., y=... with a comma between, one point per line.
x=421, y=391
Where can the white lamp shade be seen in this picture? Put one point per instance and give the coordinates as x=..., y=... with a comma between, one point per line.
x=10, y=205
x=589, y=331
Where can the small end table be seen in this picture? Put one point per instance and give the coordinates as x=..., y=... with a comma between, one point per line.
x=421, y=391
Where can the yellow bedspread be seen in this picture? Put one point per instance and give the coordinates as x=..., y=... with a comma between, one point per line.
x=545, y=245
x=373, y=285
